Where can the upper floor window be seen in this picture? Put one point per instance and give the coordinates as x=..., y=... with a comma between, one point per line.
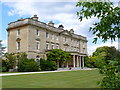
x=37, y=32
x=56, y=37
x=18, y=45
x=65, y=39
x=18, y=32
x=47, y=46
x=37, y=45
x=47, y=35
x=83, y=45
x=52, y=37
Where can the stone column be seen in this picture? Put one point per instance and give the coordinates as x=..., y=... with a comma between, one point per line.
x=77, y=62
x=73, y=60
x=80, y=61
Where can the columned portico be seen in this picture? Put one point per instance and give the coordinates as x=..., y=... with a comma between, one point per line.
x=76, y=61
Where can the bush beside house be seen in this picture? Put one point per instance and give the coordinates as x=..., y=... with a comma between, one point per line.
x=27, y=65
x=46, y=65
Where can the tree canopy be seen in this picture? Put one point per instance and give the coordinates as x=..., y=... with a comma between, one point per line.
x=109, y=15
x=58, y=55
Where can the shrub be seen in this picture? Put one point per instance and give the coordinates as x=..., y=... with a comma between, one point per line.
x=4, y=69
x=27, y=65
x=46, y=65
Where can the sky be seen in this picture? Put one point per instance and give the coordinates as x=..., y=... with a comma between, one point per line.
x=58, y=11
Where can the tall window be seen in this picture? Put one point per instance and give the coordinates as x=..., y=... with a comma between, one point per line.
x=37, y=32
x=47, y=35
x=18, y=32
x=56, y=37
x=52, y=46
x=52, y=37
x=18, y=45
x=47, y=46
x=65, y=39
x=37, y=45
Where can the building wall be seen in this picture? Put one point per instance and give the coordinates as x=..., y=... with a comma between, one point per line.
x=12, y=39
x=29, y=39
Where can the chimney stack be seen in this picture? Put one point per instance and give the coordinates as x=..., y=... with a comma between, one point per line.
x=35, y=18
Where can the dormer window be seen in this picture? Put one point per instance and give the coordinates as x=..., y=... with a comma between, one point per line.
x=18, y=32
x=37, y=32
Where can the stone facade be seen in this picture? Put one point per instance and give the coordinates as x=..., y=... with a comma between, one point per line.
x=37, y=39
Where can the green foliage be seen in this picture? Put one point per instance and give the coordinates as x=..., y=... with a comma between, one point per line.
x=27, y=65
x=46, y=65
x=107, y=59
x=111, y=73
x=90, y=62
x=4, y=69
x=107, y=27
x=11, y=60
x=58, y=55
x=5, y=65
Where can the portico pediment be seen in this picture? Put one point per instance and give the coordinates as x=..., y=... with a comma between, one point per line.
x=65, y=32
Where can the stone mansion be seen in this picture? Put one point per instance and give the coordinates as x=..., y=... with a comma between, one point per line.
x=37, y=39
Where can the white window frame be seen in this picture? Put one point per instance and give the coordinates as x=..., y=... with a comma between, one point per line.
x=37, y=32
x=18, y=45
x=47, y=47
x=18, y=32
x=65, y=39
x=56, y=37
x=37, y=59
x=57, y=46
x=52, y=46
x=47, y=35
x=37, y=45
x=52, y=36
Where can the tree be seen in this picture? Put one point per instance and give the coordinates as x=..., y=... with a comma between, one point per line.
x=46, y=65
x=58, y=56
x=27, y=65
x=106, y=28
x=2, y=49
x=108, y=14
x=11, y=60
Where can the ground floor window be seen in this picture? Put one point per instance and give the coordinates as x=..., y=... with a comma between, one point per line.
x=38, y=59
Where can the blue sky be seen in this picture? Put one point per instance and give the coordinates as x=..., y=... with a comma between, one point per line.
x=59, y=12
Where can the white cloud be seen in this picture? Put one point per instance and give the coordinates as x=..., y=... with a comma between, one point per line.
x=60, y=12
x=92, y=48
x=63, y=12
x=4, y=42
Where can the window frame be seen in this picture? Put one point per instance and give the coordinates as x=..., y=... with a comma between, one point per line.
x=47, y=35
x=18, y=45
x=18, y=32
x=37, y=45
x=37, y=32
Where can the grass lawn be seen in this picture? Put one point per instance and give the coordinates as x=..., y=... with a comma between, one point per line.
x=68, y=79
